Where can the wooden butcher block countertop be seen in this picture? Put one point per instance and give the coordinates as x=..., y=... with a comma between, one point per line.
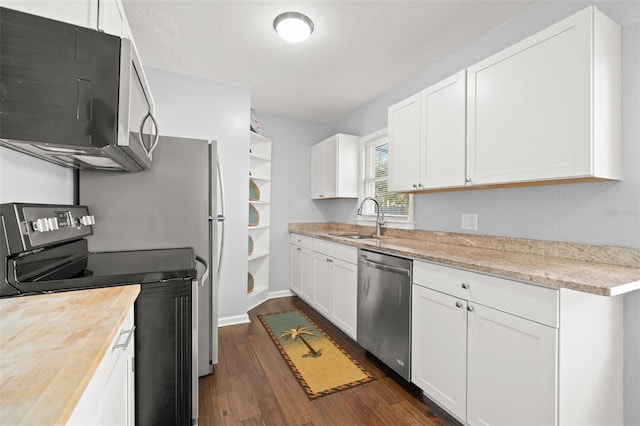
x=50, y=347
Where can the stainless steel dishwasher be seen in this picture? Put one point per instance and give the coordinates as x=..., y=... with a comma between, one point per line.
x=384, y=309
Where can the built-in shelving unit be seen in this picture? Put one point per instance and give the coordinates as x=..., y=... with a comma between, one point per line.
x=259, y=224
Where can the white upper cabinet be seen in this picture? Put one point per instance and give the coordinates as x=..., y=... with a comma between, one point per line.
x=427, y=138
x=443, y=133
x=103, y=15
x=334, y=167
x=112, y=19
x=83, y=13
x=405, y=150
x=548, y=107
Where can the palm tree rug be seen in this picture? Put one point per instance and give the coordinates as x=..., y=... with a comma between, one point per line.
x=320, y=365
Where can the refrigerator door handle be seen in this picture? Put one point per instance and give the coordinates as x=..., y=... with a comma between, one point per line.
x=205, y=274
x=220, y=218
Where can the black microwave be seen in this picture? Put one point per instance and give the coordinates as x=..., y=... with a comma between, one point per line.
x=73, y=96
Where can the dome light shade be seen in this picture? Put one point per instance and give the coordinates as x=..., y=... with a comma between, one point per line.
x=293, y=27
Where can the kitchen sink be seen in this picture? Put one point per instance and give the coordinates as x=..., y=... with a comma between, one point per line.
x=354, y=236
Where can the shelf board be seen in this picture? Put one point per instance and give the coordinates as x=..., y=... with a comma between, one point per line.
x=257, y=139
x=257, y=157
x=258, y=255
x=259, y=202
x=258, y=227
x=264, y=179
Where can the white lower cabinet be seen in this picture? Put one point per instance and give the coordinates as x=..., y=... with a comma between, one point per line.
x=323, y=284
x=492, y=351
x=484, y=365
x=345, y=296
x=326, y=277
x=109, y=398
x=301, y=267
x=511, y=369
x=439, y=348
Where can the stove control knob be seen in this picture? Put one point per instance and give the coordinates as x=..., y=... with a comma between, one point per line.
x=53, y=223
x=87, y=220
x=41, y=225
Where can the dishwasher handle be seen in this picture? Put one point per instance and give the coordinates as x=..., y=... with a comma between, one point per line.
x=387, y=268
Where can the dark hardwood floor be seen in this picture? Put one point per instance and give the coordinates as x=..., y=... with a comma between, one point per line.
x=252, y=384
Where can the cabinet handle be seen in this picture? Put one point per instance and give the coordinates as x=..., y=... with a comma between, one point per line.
x=458, y=304
x=468, y=180
x=415, y=186
x=419, y=185
x=298, y=248
x=125, y=345
x=465, y=286
x=329, y=261
x=470, y=308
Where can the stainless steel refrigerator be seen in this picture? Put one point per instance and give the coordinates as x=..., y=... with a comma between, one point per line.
x=177, y=203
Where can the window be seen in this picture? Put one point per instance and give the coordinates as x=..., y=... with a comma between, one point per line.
x=397, y=207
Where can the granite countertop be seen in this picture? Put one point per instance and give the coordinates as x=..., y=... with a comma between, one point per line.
x=602, y=270
x=50, y=347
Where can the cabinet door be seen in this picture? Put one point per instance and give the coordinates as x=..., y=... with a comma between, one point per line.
x=83, y=13
x=307, y=283
x=116, y=405
x=323, y=284
x=405, y=150
x=112, y=18
x=529, y=107
x=512, y=370
x=439, y=348
x=317, y=171
x=295, y=268
x=444, y=132
x=330, y=185
x=345, y=296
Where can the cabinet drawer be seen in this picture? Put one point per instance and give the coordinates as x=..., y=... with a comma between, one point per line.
x=524, y=300
x=301, y=240
x=338, y=251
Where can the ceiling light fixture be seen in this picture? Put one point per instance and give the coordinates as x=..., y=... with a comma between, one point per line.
x=293, y=27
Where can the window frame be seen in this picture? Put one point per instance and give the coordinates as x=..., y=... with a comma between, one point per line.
x=407, y=222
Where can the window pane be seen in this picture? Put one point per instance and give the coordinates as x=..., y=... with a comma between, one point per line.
x=381, y=159
x=390, y=204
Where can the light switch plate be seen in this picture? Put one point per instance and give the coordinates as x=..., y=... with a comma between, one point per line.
x=470, y=221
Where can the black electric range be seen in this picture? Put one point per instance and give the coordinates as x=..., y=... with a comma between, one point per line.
x=43, y=250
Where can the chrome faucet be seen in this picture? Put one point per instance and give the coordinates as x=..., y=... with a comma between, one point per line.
x=380, y=215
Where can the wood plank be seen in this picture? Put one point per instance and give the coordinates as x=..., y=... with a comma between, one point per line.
x=252, y=385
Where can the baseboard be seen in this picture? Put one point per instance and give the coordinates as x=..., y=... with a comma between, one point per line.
x=280, y=293
x=238, y=319
x=244, y=319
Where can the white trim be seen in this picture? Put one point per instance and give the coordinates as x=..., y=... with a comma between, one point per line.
x=235, y=320
x=281, y=293
x=368, y=220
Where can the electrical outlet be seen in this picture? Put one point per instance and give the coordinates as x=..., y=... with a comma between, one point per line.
x=470, y=221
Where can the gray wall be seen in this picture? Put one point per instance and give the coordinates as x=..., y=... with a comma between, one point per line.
x=595, y=213
x=290, y=186
x=31, y=180
x=197, y=108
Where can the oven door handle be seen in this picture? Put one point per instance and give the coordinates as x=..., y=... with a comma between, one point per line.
x=386, y=268
x=205, y=274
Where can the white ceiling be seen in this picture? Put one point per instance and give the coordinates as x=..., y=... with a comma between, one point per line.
x=358, y=51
